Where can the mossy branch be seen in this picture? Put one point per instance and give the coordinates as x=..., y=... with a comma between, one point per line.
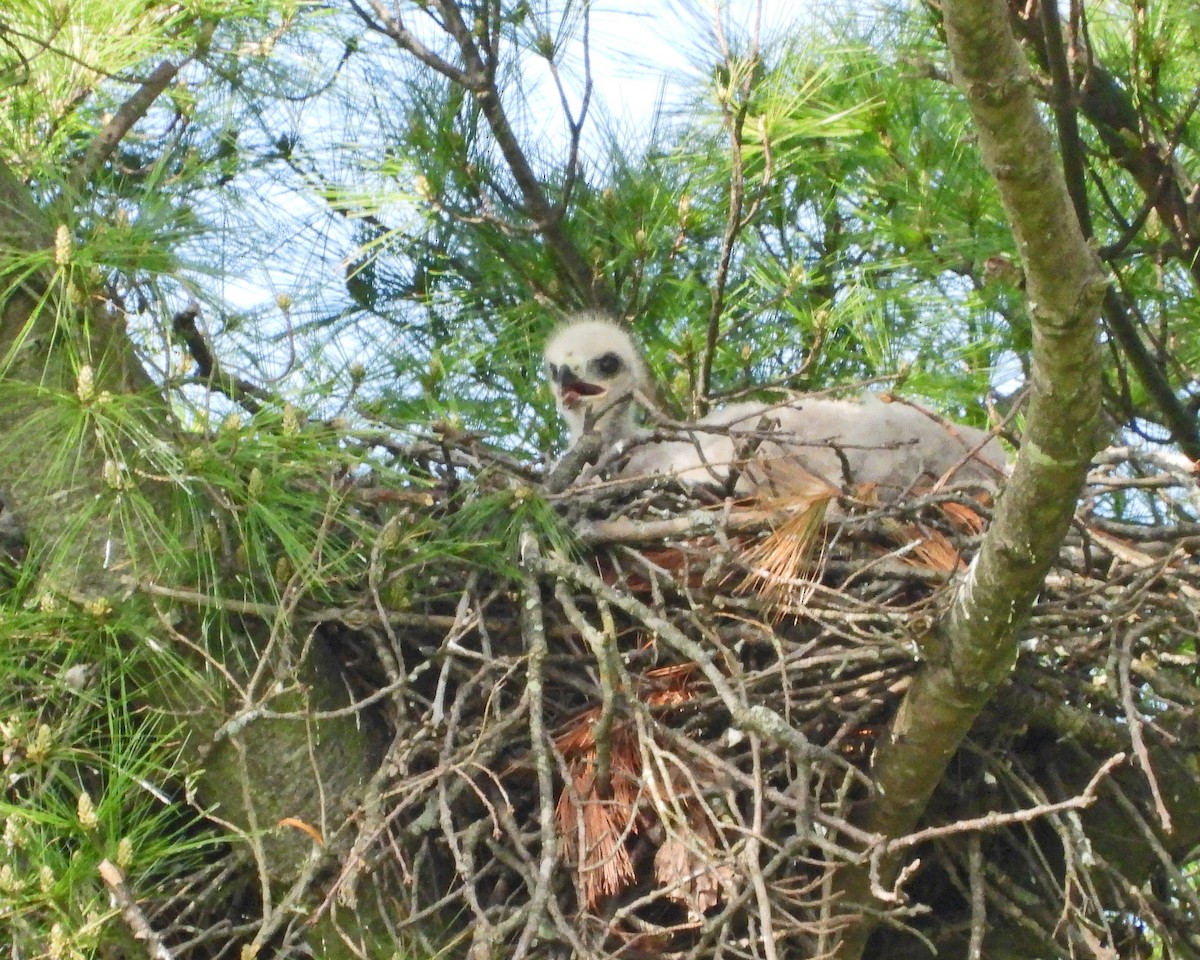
x=977, y=643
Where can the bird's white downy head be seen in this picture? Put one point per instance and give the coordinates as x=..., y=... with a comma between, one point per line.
x=595, y=368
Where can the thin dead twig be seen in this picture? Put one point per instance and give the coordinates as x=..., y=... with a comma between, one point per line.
x=1134, y=718
x=886, y=848
x=138, y=924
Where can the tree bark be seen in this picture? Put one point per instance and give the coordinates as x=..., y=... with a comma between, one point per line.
x=974, y=647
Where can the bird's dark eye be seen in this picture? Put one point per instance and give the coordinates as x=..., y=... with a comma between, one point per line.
x=607, y=365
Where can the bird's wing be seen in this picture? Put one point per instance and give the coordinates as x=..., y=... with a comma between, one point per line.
x=891, y=447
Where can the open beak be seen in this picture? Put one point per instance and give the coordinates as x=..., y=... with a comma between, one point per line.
x=577, y=391
x=571, y=389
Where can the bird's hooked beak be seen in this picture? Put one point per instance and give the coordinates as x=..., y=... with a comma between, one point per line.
x=571, y=389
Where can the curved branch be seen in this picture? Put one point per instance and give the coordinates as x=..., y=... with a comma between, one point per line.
x=976, y=644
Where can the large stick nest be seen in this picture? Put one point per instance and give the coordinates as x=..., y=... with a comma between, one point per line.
x=647, y=728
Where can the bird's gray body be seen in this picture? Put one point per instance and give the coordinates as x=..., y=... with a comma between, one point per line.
x=599, y=378
x=893, y=447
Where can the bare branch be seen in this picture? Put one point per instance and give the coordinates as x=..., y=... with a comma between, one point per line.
x=392, y=26
x=134, y=917
x=1134, y=717
x=735, y=104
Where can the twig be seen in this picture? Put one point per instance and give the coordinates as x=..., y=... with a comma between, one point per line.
x=755, y=719
x=993, y=821
x=1133, y=716
x=603, y=644
x=1181, y=884
x=533, y=630
x=134, y=917
x=978, y=903
x=752, y=854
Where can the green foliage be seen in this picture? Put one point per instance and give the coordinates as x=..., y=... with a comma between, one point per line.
x=489, y=530
x=411, y=258
x=88, y=776
x=865, y=217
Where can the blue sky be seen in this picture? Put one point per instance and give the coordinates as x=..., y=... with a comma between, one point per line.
x=642, y=52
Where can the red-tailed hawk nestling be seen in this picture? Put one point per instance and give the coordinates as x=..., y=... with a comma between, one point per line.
x=600, y=381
